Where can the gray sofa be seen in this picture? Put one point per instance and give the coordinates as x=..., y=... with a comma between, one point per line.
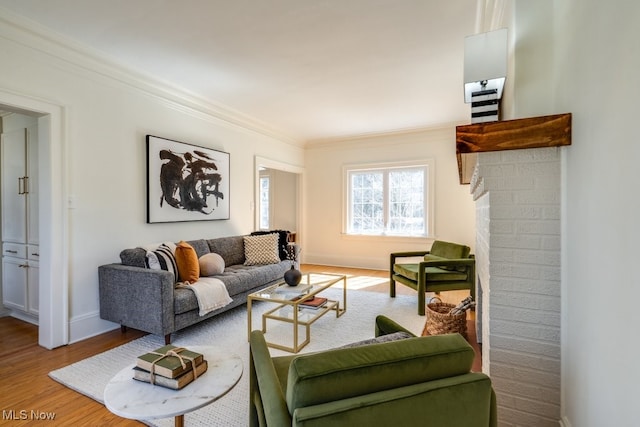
x=141, y=298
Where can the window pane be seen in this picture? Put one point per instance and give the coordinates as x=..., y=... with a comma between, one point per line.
x=367, y=209
x=264, y=203
x=406, y=202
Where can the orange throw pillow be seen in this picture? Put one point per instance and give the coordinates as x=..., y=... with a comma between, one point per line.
x=188, y=265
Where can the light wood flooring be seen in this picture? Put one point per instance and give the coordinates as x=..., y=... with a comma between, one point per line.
x=27, y=391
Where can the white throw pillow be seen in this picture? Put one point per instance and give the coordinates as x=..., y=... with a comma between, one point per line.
x=261, y=249
x=211, y=264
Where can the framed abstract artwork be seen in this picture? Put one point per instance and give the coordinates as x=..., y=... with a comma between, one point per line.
x=186, y=182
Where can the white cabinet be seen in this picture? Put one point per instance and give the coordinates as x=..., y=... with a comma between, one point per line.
x=14, y=183
x=14, y=283
x=33, y=279
x=20, y=278
x=20, y=254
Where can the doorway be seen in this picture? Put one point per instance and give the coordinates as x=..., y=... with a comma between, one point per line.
x=278, y=196
x=53, y=288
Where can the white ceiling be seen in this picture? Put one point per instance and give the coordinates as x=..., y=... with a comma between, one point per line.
x=308, y=69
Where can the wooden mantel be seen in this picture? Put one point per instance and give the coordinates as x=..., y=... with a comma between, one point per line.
x=533, y=132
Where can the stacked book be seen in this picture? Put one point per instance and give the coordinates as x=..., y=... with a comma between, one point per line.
x=169, y=366
x=314, y=303
x=293, y=292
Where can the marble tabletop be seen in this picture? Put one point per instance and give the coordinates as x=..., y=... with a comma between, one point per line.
x=138, y=400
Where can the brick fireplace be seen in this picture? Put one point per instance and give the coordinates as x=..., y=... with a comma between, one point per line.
x=517, y=195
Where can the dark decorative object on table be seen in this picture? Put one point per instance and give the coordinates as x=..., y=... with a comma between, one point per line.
x=292, y=276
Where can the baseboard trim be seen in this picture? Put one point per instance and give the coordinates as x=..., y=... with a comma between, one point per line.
x=88, y=325
x=29, y=318
x=348, y=261
x=564, y=422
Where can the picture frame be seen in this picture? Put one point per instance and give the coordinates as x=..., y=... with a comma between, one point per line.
x=186, y=182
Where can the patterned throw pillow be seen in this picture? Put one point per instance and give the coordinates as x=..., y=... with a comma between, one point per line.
x=162, y=258
x=261, y=250
x=282, y=241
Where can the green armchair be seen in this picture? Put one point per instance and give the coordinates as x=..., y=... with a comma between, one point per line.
x=446, y=267
x=401, y=382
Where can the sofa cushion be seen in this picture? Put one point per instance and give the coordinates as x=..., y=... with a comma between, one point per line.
x=211, y=264
x=381, y=339
x=184, y=300
x=431, y=257
x=261, y=250
x=343, y=373
x=231, y=249
x=242, y=278
x=134, y=257
x=200, y=246
x=238, y=279
x=187, y=261
x=449, y=250
x=435, y=274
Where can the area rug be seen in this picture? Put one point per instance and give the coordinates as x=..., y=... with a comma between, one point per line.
x=228, y=331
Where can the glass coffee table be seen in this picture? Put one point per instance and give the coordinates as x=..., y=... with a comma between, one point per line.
x=290, y=308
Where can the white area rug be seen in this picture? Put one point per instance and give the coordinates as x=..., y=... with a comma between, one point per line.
x=229, y=332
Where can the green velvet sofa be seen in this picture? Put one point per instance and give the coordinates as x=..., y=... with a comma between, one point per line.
x=445, y=267
x=416, y=381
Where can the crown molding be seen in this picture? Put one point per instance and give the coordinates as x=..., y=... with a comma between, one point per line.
x=446, y=129
x=70, y=53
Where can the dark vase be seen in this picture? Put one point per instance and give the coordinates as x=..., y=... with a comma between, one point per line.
x=292, y=276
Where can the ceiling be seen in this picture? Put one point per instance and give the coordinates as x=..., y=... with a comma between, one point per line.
x=307, y=69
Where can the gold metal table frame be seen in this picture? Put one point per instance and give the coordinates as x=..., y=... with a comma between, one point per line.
x=288, y=300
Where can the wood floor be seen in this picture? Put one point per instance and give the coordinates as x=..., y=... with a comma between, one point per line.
x=27, y=393
x=27, y=390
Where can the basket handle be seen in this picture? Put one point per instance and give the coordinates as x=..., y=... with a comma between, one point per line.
x=432, y=298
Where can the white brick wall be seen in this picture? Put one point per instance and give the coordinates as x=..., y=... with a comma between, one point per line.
x=517, y=196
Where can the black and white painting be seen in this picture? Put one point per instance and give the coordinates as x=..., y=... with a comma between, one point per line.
x=185, y=182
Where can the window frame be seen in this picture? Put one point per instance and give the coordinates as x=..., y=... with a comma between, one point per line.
x=429, y=167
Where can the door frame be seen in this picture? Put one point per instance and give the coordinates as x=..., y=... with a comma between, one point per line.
x=264, y=162
x=53, y=323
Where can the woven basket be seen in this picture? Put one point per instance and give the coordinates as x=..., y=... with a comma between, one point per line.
x=439, y=321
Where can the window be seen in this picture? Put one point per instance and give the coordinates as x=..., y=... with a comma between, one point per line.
x=390, y=200
x=265, y=206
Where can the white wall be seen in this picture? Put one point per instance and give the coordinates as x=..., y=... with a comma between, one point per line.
x=324, y=242
x=285, y=200
x=594, y=61
x=597, y=58
x=104, y=153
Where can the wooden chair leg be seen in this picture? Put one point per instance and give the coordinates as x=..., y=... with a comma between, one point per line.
x=167, y=339
x=123, y=329
x=392, y=283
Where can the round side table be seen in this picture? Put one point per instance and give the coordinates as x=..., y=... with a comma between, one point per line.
x=138, y=400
